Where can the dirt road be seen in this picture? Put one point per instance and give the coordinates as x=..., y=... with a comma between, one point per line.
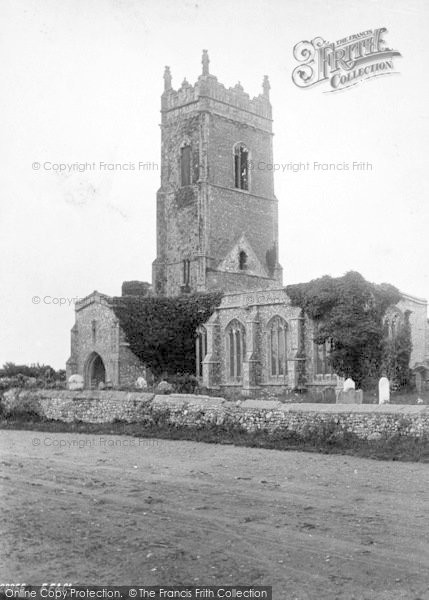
x=173, y=512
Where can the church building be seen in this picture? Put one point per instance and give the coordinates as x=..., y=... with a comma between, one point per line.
x=217, y=229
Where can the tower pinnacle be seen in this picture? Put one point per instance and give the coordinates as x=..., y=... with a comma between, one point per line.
x=205, y=62
x=167, y=79
x=266, y=86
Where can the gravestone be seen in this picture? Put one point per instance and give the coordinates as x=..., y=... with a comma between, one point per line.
x=349, y=384
x=141, y=383
x=383, y=391
x=319, y=397
x=351, y=396
x=164, y=387
x=75, y=382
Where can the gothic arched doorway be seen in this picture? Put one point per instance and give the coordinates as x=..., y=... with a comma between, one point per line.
x=95, y=371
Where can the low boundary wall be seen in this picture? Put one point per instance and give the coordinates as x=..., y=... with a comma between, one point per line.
x=367, y=421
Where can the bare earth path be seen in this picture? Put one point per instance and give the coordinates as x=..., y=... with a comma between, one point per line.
x=174, y=512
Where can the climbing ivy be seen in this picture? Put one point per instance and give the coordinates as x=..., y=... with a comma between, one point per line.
x=161, y=331
x=349, y=311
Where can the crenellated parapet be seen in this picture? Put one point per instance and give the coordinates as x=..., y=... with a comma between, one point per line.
x=208, y=87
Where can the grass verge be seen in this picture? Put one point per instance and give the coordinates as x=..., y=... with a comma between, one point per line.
x=327, y=437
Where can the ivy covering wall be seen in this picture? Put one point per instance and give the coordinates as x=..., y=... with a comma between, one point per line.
x=161, y=330
x=349, y=312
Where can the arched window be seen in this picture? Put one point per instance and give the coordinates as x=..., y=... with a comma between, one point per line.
x=241, y=167
x=277, y=347
x=185, y=165
x=386, y=327
x=242, y=260
x=201, y=349
x=322, y=363
x=392, y=322
x=235, y=349
x=394, y=326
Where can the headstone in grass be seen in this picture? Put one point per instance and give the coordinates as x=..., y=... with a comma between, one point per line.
x=351, y=396
x=164, y=387
x=383, y=391
x=141, y=383
x=349, y=384
x=319, y=396
x=75, y=382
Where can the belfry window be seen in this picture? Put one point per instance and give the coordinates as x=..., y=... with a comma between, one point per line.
x=277, y=341
x=185, y=165
x=241, y=167
x=235, y=346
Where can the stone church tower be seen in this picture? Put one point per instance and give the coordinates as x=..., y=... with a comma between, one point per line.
x=217, y=223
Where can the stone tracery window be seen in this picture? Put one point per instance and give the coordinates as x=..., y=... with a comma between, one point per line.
x=277, y=347
x=235, y=349
x=241, y=167
x=394, y=326
x=322, y=363
x=392, y=323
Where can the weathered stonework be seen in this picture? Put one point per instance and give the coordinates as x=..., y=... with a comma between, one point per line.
x=210, y=219
x=186, y=411
x=97, y=333
x=255, y=310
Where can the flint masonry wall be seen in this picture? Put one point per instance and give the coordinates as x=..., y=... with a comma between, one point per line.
x=182, y=410
x=202, y=219
x=108, y=340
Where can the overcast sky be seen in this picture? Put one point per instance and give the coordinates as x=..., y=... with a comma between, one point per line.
x=81, y=81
